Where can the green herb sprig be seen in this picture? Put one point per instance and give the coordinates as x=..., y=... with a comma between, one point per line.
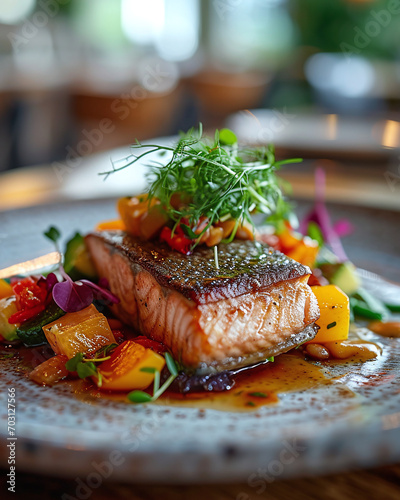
x=144, y=397
x=218, y=179
x=86, y=367
x=53, y=234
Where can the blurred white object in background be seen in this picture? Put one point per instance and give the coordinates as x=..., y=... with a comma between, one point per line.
x=14, y=11
x=172, y=27
x=336, y=73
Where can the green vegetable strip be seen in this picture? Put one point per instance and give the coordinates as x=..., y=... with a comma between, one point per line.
x=360, y=308
x=393, y=307
x=371, y=303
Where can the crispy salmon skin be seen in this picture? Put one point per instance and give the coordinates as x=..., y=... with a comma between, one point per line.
x=256, y=305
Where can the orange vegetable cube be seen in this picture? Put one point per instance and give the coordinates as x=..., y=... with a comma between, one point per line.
x=140, y=217
x=5, y=289
x=83, y=331
x=245, y=231
x=152, y=221
x=334, y=307
x=122, y=372
x=51, y=371
x=288, y=240
x=305, y=252
x=227, y=226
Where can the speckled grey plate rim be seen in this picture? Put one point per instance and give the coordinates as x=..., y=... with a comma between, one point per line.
x=312, y=432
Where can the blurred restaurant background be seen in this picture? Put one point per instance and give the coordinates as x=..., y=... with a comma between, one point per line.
x=320, y=79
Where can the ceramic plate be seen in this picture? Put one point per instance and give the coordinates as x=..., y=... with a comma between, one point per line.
x=353, y=422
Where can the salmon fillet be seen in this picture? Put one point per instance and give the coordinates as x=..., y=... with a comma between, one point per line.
x=256, y=305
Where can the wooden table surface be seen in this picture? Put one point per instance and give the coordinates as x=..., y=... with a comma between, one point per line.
x=381, y=483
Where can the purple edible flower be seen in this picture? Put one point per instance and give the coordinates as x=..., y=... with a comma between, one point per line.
x=73, y=296
x=343, y=227
x=70, y=296
x=100, y=292
x=320, y=215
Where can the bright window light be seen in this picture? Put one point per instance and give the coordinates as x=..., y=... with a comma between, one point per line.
x=12, y=11
x=172, y=27
x=142, y=20
x=352, y=77
x=180, y=37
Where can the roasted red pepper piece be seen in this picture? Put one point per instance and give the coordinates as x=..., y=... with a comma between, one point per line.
x=118, y=335
x=32, y=297
x=25, y=314
x=178, y=241
x=150, y=344
x=29, y=293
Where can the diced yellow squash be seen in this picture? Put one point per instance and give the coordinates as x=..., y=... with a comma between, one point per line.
x=83, y=331
x=334, y=307
x=5, y=289
x=8, y=306
x=122, y=372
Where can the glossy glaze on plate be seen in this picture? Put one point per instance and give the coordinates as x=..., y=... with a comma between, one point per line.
x=352, y=422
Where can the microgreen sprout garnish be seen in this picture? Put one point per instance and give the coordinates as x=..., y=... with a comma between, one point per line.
x=53, y=234
x=144, y=397
x=69, y=295
x=215, y=179
x=216, y=257
x=86, y=367
x=104, y=352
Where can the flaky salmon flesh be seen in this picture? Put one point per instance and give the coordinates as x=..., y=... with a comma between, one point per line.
x=256, y=305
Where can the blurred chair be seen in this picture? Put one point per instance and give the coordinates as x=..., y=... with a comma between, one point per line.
x=220, y=94
x=122, y=119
